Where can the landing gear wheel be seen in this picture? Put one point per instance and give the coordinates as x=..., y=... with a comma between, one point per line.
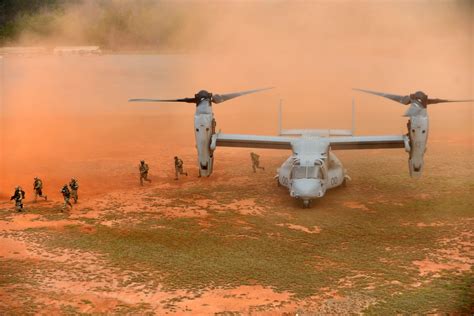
x=306, y=203
x=344, y=183
x=278, y=182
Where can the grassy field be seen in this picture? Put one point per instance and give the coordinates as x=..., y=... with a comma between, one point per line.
x=382, y=245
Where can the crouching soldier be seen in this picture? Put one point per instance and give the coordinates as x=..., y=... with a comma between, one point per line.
x=143, y=172
x=18, y=196
x=178, y=167
x=38, y=187
x=74, y=187
x=66, y=195
x=255, y=162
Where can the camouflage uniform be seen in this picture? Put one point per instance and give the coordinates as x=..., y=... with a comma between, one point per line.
x=255, y=162
x=38, y=187
x=67, y=195
x=178, y=168
x=74, y=187
x=143, y=172
x=18, y=196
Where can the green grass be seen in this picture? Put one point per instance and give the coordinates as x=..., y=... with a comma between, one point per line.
x=447, y=295
x=232, y=254
x=373, y=249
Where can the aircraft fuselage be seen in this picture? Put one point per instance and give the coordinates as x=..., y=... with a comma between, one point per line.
x=311, y=170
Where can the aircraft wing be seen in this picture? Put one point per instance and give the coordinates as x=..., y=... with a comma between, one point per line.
x=368, y=142
x=253, y=141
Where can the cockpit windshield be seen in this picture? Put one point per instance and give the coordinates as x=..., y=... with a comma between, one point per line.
x=304, y=172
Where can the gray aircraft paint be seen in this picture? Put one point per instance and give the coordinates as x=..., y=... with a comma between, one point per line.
x=418, y=124
x=313, y=168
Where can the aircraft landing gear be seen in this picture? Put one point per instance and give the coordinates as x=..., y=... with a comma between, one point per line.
x=306, y=203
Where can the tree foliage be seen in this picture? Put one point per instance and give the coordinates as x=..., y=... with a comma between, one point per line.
x=11, y=11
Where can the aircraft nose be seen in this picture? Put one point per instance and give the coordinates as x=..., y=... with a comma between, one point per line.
x=306, y=188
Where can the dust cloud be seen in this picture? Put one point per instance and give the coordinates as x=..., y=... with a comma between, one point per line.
x=65, y=116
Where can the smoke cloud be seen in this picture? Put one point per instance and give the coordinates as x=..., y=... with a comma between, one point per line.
x=69, y=116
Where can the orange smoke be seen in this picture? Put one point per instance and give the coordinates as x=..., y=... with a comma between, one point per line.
x=69, y=116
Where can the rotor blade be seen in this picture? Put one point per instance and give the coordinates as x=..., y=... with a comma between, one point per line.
x=187, y=100
x=403, y=99
x=219, y=98
x=434, y=101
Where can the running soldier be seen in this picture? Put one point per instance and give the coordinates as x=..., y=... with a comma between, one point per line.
x=38, y=187
x=255, y=162
x=74, y=187
x=67, y=195
x=143, y=172
x=18, y=196
x=178, y=167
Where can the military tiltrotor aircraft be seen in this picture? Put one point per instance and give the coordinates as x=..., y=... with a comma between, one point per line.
x=313, y=168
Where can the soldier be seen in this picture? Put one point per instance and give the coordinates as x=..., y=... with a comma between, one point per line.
x=178, y=167
x=18, y=196
x=74, y=187
x=143, y=172
x=255, y=162
x=67, y=195
x=38, y=187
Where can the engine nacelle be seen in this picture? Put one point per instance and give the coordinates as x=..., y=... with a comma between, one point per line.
x=418, y=136
x=204, y=128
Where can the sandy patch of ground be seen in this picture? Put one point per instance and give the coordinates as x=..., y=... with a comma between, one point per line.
x=423, y=196
x=243, y=299
x=23, y=221
x=356, y=205
x=245, y=207
x=13, y=249
x=312, y=230
x=436, y=224
x=428, y=266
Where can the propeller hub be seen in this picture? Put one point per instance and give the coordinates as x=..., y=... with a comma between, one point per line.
x=202, y=95
x=419, y=97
